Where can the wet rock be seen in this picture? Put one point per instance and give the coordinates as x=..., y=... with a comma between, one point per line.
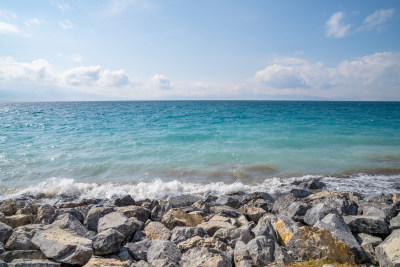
x=300, y=193
x=69, y=205
x=178, y=217
x=100, y=262
x=45, y=214
x=285, y=228
x=180, y=234
x=261, y=250
x=69, y=222
x=139, y=249
x=9, y=256
x=367, y=224
x=218, y=222
x=252, y=212
x=315, y=243
x=140, y=213
x=206, y=257
x=28, y=209
x=196, y=241
x=265, y=228
x=232, y=236
x=64, y=246
x=297, y=211
x=115, y=220
x=124, y=201
x=395, y=223
x=225, y=211
x=314, y=184
x=388, y=252
x=318, y=212
x=17, y=220
x=5, y=232
x=163, y=253
x=156, y=230
x=257, y=195
x=242, y=256
x=183, y=201
x=228, y=201
x=107, y=242
x=94, y=215
x=21, y=238
x=9, y=207
x=32, y=263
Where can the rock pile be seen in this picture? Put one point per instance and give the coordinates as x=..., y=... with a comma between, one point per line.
x=239, y=229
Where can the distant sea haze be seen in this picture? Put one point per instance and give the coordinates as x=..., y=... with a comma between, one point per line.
x=165, y=148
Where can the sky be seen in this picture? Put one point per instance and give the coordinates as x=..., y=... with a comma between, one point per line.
x=60, y=50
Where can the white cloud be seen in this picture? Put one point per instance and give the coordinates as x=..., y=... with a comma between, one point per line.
x=35, y=71
x=335, y=26
x=8, y=28
x=376, y=20
x=66, y=24
x=161, y=81
x=63, y=7
x=33, y=21
x=7, y=14
x=77, y=58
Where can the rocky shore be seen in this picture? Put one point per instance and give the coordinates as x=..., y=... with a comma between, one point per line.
x=257, y=229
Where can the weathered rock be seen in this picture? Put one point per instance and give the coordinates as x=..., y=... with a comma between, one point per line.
x=17, y=220
x=196, y=241
x=257, y=195
x=9, y=256
x=242, y=256
x=178, y=217
x=163, y=253
x=183, y=201
x=139, y=249
x=64, y=246
x=107, y=242
x=300, y=193
x=124, y=201
x=252, y=212
x=76, y=212
x=367, y=224
x=218, y=222
x=197, y=257
x=368, y=243
x=281, y=255
x=5, y=232
x=9, y=207
x=228, y=201
x=94, y=215
x=344, y=207
x=225, y=211
x=314, y=184
x=28, y=209
x=100, y=262
x=377, y=212
x=244, y=223
x=140, y=213
x=138, y=236
x=180, y=234
x=315, y=243
x=232, y=236
x=394, y=209
x=156, y=230
x=45, y=214
x=395, y=223
x=158, y=212
x=297, y=211
x=141, y=264
x=69, y=222
x=265, y=228
x=282, y=203
x=32, y=263
x=261, y=250
x=318, y=212
x=121, y=223
x=285, y=228
x=90, y=235
x=125, y=255
x=388, y=252
x=261, y=203
x=21, y=238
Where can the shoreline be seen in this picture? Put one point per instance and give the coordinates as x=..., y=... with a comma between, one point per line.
x=304, y=223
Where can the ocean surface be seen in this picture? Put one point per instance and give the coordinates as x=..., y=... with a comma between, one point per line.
x=165, y=148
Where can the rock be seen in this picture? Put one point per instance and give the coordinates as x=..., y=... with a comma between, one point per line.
x=394, y=209
x=100, y=262
x=64, y=246
x=232, y=236
x=45, y=214
x=125, y=255
x=257, y=195
x=139, y=249
x=124, y=201
x=261, y=203
x=90, y=235
x=2, y=248
x=343, y=206
x=252, y=212
x=261, y=250
x=138, y=236
x=282, y=203
x=265, y=228
x=297, y=211
x=73, y=211
x=315, y=243
x=177, y=217
x=117, y=221
x=244, y=223
x=367, y=224
x=69, y=222
x=17, y=220
x=228, y=201
x=28, y=209
x=318, y=212
x=140, y=213
x=218, y=222
x=395, y=223
x=94, y=215
x=163, y=253
x=5, y=232
x=242, y=256
x=141, y=264
x=9, y=256
x=9, y=207
x=32, y=263
x=21, y=238
x=180, y=234
x=158, y=212
x=69, y=205
x=196, y=241
x=368, y=243
x=300, y=193
x=314, y=184
x=285, y=228
x=225, y=211
x=374, y=211
x=156, y=230
x=197, y=257
x=281, y=256
x=107, y=242
x=341, y=232
x=388, y=252
x=183, y=201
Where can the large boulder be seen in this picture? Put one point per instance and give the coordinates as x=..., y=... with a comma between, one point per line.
x=183, y=201
x=115, y=220
x=197, y=257
x=196, y=241
x=63, y=246
x=17, y=220
x=388, y=252
x=367, y=224
x=180, y=234
x=318, y=212
x=5, y=232
x=297, y=211
x=45, y=214
x=157, y=230
x=69, y=222
x=368, y=243
x=261, y=250
x=264, y=227
x=163, y=253
x=232, y=236
x=9, y=207
x=21, y=238
x=178, y=217
x=126, y=200
x=138, y=250
x=242, y=256
x=107, y=242
x=395, y=223
x=140, y=213
x=285, y=228
x=94, y=215
x=218, y=222
x=252, y=212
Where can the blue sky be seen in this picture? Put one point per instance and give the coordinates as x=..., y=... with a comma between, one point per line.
x=137, y=49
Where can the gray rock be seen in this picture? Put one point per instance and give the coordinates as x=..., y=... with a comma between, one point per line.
x=281, y=256
x=282, y=203
x=265, y=228
x=368, y=243
x=225, y=211
x=21, y=238
x=261, y=203
x=2, y=248
x=252, y=212
x=395, y=223
x=158, y=212
x=5, y=232
x=124, y=201
x=261, y=250
x=242, y=256
x=90, y=235
x=69, y=222
x=394, y=209
x=9, y=256
x=232, y=236
x=180, y=234
x=157, y=230
x=344, y=207
x=297, y=211
x=258, y=195
x=183, y=201
x=388, y=252
x=138, y=236
x=107, y=242
x=94, y=215
x=45, y=214
x=125, y=255
x=314, y=184
x=64, y=246
x=244, y=223
x=141, y=264
x=163, y=253
x=218, y=222
x=140, y=213
x=318, y=212
x=3, y=264
x=341, y=232
x=33, y=263
x=374, y=211
x=367, y=224
x=206, y=257
x=72, y=211
x=121, y=223
x=9, y=207
x=139, y=249
x=228, y=201
x=300, y=193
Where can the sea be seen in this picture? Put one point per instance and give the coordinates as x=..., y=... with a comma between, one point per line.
x=159, y=149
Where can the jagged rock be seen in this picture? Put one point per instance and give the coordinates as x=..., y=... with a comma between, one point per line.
x=225, y=211
x=282, y=203
x=388, y=252
x=377, y=212
x=252, y=212
x=242, y=256
x=100, y=262
x=343, y=206
x=297, y=211
x=107, y=242
x=163, y=253
x=9, y=256
x=257, y=195
x=21, y=238
x=318, y=212
x=265, y=228
x=141, y=264
x=244, y=223
x=158, y=212
x=2, y=248
x=285, y=228
x=45, y=214
x=140, y=213
x=125, y=255
x=228, y=201
x=368, y=243
x=218, y=222
x=156, y=230
x=64, y=246
x=90, y=235
x=121, y=223
x=314, y=184
x=315, y=243
x=232, y=236
x=17, y=220
x=367, y=224
x=73, y=211
x=261, y=203
x=124, y=201
x=180, y=234
x=94, y=215
x=197, y=241
x=178, y=217
x=300, y=193
x=32, y=263
x=69, y=222
x=395, y=223
x=138, y=236
x=139, y=249
x=183, y=201
x=341, y=232
x=261, y=250
x=197, y=257
x=9, y=207
x=281, y=255
x=28, y=209
x=5, y=232
x=394, y=209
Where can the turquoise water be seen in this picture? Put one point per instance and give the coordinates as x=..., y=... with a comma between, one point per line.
x=195, y=142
